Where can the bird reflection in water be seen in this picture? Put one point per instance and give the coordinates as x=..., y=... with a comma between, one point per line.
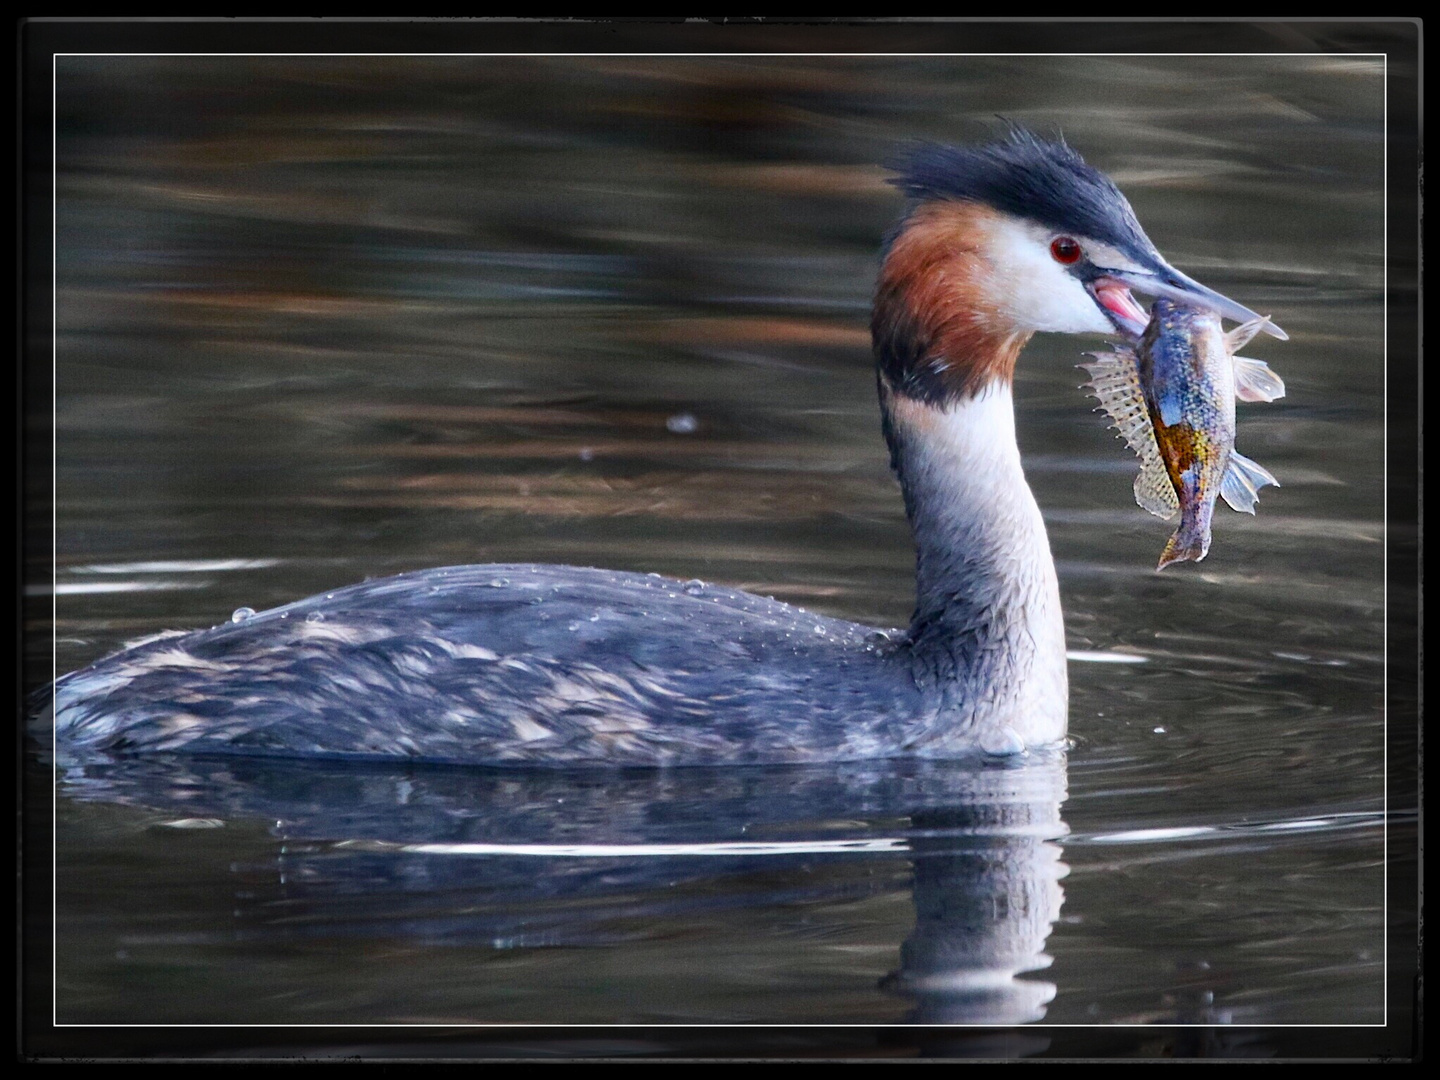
x=606, y=858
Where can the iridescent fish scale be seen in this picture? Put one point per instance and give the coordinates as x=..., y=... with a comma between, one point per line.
x=1189, y=385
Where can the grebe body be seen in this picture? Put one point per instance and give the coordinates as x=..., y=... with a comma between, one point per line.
x=512, y=664
x=531, y=663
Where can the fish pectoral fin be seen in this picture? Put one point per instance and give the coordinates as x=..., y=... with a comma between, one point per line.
x=1241, y=335
x=1243, y=481
x=1254, y=381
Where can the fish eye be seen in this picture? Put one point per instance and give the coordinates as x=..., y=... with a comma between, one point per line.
x=1065, y=249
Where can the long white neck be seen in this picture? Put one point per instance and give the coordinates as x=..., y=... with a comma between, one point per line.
x=987, y=635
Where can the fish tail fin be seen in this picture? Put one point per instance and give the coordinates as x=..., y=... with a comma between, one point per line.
x=1189, y=543
x=1243, y=481
x=1254, y=381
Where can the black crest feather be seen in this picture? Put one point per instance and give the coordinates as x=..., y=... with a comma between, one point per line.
x=1028, y=177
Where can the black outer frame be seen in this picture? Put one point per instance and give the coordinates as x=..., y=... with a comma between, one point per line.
x=1399, y=39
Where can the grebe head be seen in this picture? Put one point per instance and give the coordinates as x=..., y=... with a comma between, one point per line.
x=1007, y=239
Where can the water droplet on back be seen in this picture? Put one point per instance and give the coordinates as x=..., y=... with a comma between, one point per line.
x=694, y=587
x=499, y=582
x=315, y=617
x=240, y=614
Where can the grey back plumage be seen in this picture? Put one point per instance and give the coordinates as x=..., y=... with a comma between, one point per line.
x=508, y=664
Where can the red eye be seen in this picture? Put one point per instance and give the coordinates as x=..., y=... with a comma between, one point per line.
x=1065, y=250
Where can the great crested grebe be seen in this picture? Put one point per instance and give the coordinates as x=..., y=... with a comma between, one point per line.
x=552, y=664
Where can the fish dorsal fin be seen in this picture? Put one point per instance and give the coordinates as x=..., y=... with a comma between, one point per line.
x=1153, y=489
x=1240, y=337
x=1115, y=382
x=1254, y=381
x=1243, y=481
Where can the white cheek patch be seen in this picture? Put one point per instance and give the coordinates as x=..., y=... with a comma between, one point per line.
x=1033, y=291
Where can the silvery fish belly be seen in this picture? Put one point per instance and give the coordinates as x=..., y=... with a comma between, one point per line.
x=1172, y=396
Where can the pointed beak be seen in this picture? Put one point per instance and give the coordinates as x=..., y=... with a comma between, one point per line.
x=1166, y=281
